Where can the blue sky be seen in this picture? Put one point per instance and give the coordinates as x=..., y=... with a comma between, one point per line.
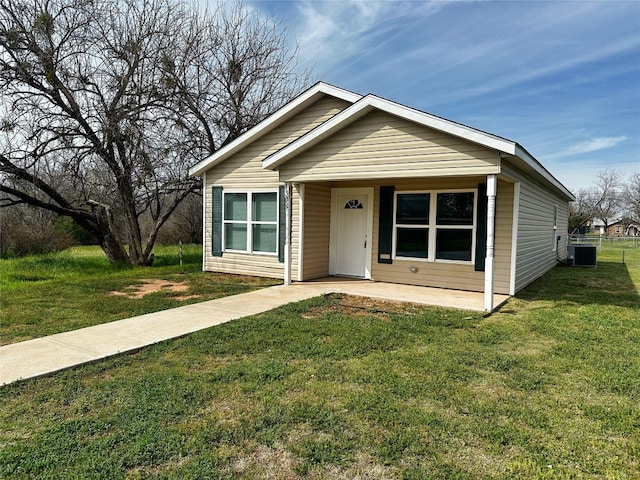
x=560, y=78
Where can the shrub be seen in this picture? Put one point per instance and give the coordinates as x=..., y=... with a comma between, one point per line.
x=27, y=231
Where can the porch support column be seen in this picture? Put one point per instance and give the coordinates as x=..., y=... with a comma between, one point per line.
x=492, y=186
x=300, y=187
x=287, y=242
x=205, y=202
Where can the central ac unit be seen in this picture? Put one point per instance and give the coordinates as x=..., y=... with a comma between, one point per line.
x=581, y=256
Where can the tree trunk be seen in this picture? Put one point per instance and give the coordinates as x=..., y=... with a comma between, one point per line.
x=107, y=235
x=114, y=249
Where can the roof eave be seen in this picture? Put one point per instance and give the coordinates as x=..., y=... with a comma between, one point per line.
x=532, y=162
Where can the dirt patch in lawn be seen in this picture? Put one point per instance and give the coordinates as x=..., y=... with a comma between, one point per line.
x=357, y=306
x=155, y=285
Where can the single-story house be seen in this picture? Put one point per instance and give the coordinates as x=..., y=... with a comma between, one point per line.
x=336, y=183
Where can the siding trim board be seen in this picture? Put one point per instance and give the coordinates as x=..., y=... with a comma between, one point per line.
x=204, y=215
x=514, y=238
x=301, y=198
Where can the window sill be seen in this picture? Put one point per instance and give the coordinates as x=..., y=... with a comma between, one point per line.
x=437, y=260
x=244, y=252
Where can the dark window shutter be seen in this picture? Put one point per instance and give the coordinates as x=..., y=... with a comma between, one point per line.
x=481, y=228
x=216, y=237
x=385, y=227
x=282, y=223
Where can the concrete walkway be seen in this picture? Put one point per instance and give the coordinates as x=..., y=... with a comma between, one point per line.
x=46, y=355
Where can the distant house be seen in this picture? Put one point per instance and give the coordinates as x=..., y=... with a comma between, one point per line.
x=616, y=228
x=336, y=183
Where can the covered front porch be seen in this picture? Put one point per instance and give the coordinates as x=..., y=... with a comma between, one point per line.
x=334, y=230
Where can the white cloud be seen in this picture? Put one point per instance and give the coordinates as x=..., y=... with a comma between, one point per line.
x=597, y=143
x=559, y=77
x=330, y=32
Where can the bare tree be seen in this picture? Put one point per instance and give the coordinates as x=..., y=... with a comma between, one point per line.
x=581, y=211
x=631, y=197
x=602, y=201
x=606, y=199
x=105, y=104
x=185, y=224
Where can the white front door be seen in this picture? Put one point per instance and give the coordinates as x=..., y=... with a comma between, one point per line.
x=351, y=224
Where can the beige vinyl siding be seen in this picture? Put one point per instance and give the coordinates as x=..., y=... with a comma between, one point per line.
x=317, y=218
x=243, y=171
x=246, y=264
x=535, y=255
x=380, y=146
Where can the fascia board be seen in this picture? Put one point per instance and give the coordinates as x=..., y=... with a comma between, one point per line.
x=370, y=102
x=444, y=125
x=531, y=161
x=284, y=113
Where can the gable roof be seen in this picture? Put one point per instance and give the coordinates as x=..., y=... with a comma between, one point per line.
x=361, y=105
x=372, y=102
x=296, y=105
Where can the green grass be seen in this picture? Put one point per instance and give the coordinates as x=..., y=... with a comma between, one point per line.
x=46, y=294
x=337, y=387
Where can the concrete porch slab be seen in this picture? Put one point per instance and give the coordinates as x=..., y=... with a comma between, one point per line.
x=438, y=297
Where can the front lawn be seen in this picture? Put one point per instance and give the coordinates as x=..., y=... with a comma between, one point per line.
x=339, y=387
x=46, y=294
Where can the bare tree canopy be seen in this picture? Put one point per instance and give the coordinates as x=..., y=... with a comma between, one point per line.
x=607, y=196
x=105, y=104
x=609, y=199
x=631, y=197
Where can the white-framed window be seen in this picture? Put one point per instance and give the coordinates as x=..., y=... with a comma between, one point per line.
x=435, y=225
x=250, y=222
